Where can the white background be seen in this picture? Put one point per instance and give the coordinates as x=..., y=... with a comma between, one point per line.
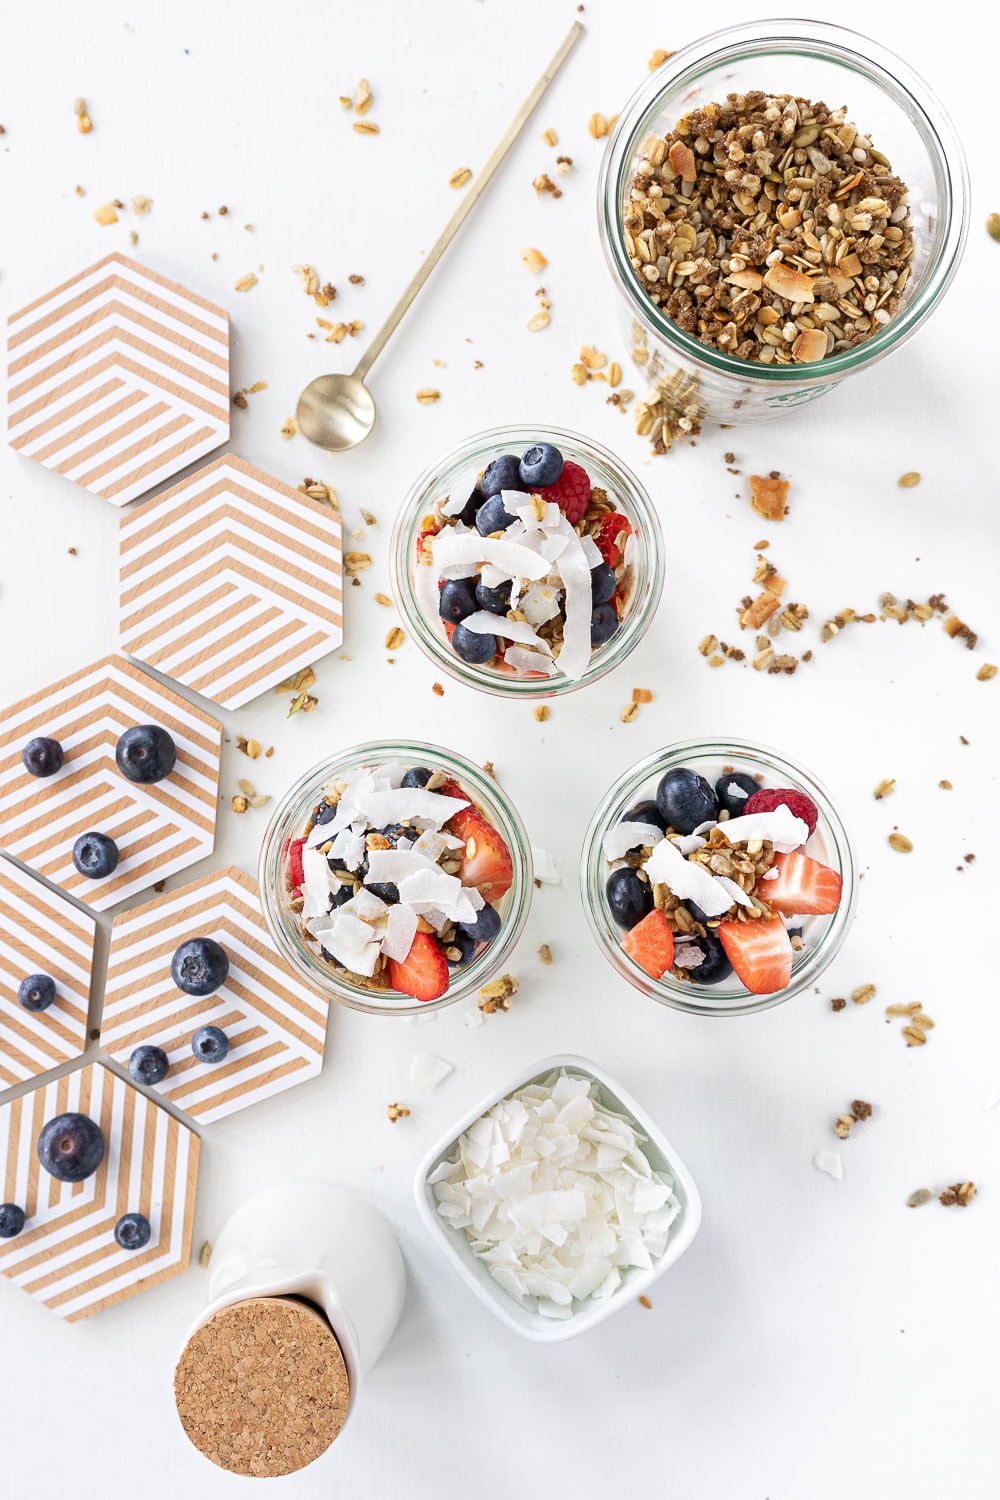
x=819, y=1338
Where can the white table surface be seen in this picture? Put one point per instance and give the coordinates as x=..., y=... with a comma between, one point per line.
x=819, y=1338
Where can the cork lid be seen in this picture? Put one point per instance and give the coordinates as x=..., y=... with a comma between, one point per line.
x=261, y=1387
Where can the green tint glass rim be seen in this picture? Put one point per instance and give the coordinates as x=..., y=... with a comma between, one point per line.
x=287, y=822
x=593, y=871
x=743, y=43
x=629, y=492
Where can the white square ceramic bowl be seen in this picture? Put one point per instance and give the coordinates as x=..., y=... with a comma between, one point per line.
x=635, y=1280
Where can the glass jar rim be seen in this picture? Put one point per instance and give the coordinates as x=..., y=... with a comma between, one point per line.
x=634, y=498
x=308, y=966
x=835, y=44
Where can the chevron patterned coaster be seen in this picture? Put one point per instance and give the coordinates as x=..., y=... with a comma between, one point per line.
x=158, y=828
x=41, y=933
x=118, y=378
x=66, y=1255
x=230, y=581
x=276, y=1026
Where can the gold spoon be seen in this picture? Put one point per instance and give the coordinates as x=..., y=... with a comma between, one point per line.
x=337, y=412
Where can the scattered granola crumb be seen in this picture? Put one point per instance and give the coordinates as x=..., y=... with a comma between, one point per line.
x=289, y=428
x=141, y=203
x=900, y=843
x=598, y=125
x=543, y=184
x=838, y=1004
x=240, y=804
x=396, y=1112
x=945, y=786
x=629, y=712
x=909, y=480
x=641, y=695
x=860, y=1109
x=645, y=1302
x=986, y=672
x=490, y=770
x=915, y=1036
x=657, y=58
x=545, y=954
x=205, y=1254
x=497, y=994
x=708, y=645
x=549, y=137
x=769, y=496
x=356, y=562
x=438, y=689
x=961, y=1193
x=459, y=178
x=84, y=123
x=316, y=490
x=304, y=703
x=365, y=127
x=885, y=789
x=427, y=395
x=362, y=97
x=541, y=712
x=105, y=215
x=921, y=1196
x=563, y=165
x=863, y=994
x=993, y=226
x=533, y=260
x=394, y=639
x=356, y=280
x=244, y=283
x=383, y=599
x=71, y=551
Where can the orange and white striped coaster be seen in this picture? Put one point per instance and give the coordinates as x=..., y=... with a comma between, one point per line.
x=118, y=378
x=41, y=933
x=159, y=828
x=230, y=581
x=276, y=1026
x=66, y=1255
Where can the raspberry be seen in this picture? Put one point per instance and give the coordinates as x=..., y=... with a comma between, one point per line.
x=797, y=803
x=611, y=537
x=571, y=492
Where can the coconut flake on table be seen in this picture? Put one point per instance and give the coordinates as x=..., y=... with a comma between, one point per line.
x=829, y=1162
x=315, y=884
x=545, y=866
x=780, y=827
x=556, y=1196
x=400, y=930
x=462, y=490
x=688, y=881
x=625, y=836
x=524, y=660
x=427, y=1071
x=484, y=623
x=512, y=558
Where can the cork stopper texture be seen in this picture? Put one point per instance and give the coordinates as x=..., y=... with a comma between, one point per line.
x=262, y=1388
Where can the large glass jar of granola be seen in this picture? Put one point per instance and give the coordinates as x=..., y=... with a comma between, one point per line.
x=766, y=244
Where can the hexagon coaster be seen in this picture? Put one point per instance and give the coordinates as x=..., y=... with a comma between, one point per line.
x=158, y=828
x=41, y=933
x=118, y=378
x=230, y=581
x=276, y=1026
x=66, y=1255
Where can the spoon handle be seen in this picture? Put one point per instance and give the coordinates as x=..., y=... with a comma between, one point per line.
x=458, y=218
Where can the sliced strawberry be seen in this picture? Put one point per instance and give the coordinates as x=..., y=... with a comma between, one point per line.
x=804, y=887
x=651, y=943
x=295, y=876
x=760, y=952
x=486, y=860
x=611, y=536
x=423, y=973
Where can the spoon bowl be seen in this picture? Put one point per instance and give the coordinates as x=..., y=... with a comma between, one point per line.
x=336, y=412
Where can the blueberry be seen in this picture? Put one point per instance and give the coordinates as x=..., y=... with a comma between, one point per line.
x=715, y=966
x=417, y=776
x=602, y=584
x=486, y=926
x=504, y=473
x=11, y=1220
x=686, y=800
x=384, y=890
x=645, y=812
x=603, y=624
x=133, y=1231
x=697, y=913
x=71, y=1147
x=209, y=1044
x=145, y=753
x=497, y=600
x=42, y=757
x=540, y=466
x=457, y=599
x=322, y=813
x=629, y=898
x=199, y=966
x=340, y=895
x=95, y=855
x=467, y=515
x=472, y=647
x=493, y=516
x=734, y=805
x=148, y=1065
x=463, y=945
x=37, y=992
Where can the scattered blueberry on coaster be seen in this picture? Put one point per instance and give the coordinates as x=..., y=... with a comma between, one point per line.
x=11, y=1220
x=42, y=757
x=732, y=802
x=475, y=648
x=686, y=800
x=71, y=1147
x=417, y=776
x=210, y=1044
x=493, y=516
x=95, y=855
x=486, y=926
x=602, y=584
x=37, y=992
x=603, y=624
x=540, y=465
x=629, y=898
x=457, y=598
x=504, y=473
x=133, y=1231
x=199, y=966
x=145, y=753
x=148, y=1064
